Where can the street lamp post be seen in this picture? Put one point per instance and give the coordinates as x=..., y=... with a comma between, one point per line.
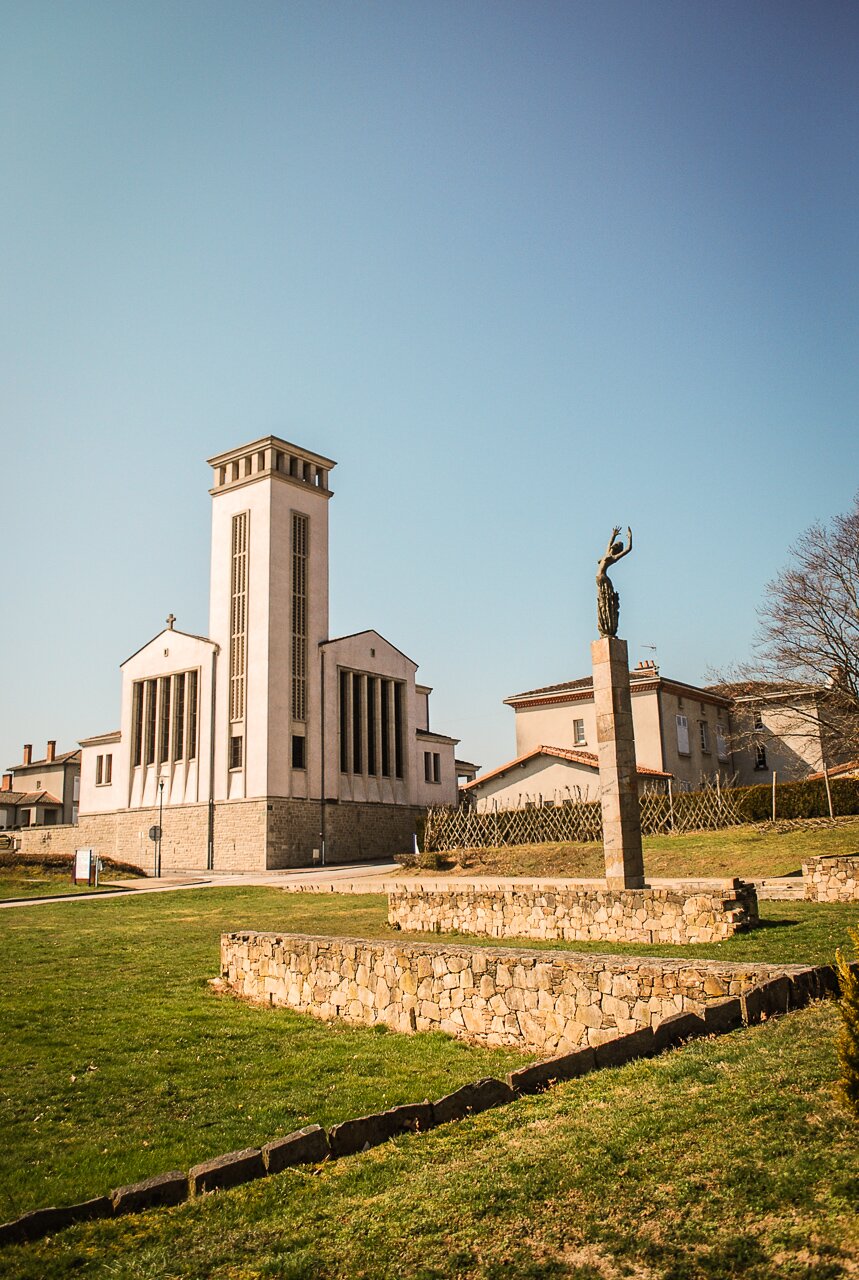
x=160, y=813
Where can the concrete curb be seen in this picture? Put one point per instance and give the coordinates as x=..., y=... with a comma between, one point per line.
x=312, y=1145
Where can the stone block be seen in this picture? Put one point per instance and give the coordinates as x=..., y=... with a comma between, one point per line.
x=45, y=1222
x=766, y=999
x=230, y=1170
x=540, y=1075
x=151, y=1193
x=613, y=1053
x=723, y=1015
x=676, y=1029
x=471, y=1099
x=304, y=1146
x=369, y=1131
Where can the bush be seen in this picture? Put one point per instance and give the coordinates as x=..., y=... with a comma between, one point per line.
x=797, y=799
x=429, y=861
x=848, y=1039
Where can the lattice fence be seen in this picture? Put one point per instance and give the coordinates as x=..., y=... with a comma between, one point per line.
x=571, y=819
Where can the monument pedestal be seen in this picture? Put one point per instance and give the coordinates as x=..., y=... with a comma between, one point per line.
x=621, y=818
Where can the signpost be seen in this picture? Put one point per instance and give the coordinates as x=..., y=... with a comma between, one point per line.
x=82, y=870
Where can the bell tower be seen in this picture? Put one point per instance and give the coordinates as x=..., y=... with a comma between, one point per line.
x=268, y=611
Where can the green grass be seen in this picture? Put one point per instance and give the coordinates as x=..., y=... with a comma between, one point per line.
x=751, y=851
x=730, y=1157
x=118, y=1061
x=33, y=881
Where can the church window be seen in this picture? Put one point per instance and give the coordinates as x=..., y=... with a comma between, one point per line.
x=192, y=715
x=299, y=616
x=398, y=728
x=371, y=725
x=344, y=721
x=238, y=615
x=386, y=728
x=164, y=720
x=151, y=706
x=299, y=755
x=357, y=722
x=179, y=716
x=236, y=743
x=432, y=766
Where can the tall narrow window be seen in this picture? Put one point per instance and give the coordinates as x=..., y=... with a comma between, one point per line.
x=179, y=716
x=108, y=768
x=192, y=715
x=99, y=770
x=371, y=725
x=357, y=723
x=398, y=729
x=238, y=615
x=386, y=728
x=682, y=735
x=164, y=719
x=151, y=704
x=299, y=616
x=344, y=721
x=137, y=723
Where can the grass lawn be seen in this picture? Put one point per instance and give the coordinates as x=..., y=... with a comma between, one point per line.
x=752, y=851
x=37, y=882
x=117, y=1061
x=729, y=1157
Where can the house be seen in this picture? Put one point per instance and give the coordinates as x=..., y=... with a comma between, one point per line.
x=548, y=776
x=37, y=793
x=266, y=742
x=790, y=729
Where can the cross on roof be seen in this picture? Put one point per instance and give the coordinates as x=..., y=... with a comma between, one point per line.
x=171, y=618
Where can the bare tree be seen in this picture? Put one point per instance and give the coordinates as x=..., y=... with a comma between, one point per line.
x=808, y=643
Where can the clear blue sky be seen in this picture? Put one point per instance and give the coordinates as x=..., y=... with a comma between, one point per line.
x=525, y=270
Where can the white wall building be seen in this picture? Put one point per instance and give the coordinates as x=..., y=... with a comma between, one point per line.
x=265, y=739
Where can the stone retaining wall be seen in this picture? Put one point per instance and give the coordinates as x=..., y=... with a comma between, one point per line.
x=575, y=912
x=832, y=879
x=543, y=1001
x=249, y=835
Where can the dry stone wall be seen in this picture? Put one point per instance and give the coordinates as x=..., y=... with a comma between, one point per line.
x=832, y=879
x=545, y=1001
x=574, y=912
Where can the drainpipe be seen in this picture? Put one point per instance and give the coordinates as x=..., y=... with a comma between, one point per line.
x=210, y=841
x=322, y=749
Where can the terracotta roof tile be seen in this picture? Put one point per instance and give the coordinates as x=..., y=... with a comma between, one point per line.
x=560, y=753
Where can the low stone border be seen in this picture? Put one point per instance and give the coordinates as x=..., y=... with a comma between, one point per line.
x=313, y=1145
x=832, y=878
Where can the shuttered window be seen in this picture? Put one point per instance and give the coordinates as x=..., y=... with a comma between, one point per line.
x=682, y=735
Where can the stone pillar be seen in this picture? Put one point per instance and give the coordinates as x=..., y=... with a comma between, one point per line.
x=621, y=819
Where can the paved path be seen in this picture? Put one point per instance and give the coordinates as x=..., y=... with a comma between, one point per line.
x=363, y=878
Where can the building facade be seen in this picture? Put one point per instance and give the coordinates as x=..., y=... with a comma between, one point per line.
x=41, y=793
x=265, y=743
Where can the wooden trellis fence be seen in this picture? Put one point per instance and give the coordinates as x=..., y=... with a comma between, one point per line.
x=571, y=819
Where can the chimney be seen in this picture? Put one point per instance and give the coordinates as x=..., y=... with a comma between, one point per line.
x=28, y=752
x=7, y=782
x=52, y=750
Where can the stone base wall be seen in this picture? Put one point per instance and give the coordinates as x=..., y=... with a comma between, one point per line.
x=546, y=1001
x=832, y=879
x=574, y=912
x=249, y=835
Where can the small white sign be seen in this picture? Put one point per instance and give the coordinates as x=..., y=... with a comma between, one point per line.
x=83, y=865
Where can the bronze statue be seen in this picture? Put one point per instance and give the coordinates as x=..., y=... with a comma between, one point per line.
x=608, y=601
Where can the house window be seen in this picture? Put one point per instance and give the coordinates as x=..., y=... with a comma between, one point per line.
x=758, y=719
x=704, y=734
x=99, y=770
x=682, y=735
x=236, y=743
x=298, y=751
x=721, y=744
x=103, y=770
x=579, y=733
x=760, y=756
x=432, y=766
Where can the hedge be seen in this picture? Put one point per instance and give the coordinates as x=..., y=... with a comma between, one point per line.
x=797, y=799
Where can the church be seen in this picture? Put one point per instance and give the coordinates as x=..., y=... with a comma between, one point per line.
x=265, y=744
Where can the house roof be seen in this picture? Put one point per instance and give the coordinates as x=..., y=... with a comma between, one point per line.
x=65, y=757
x=639, y=678
x=837, y=771
x=587, y=758
x=30, y=797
